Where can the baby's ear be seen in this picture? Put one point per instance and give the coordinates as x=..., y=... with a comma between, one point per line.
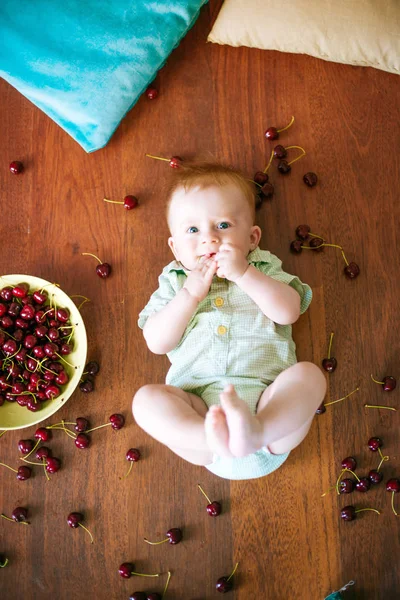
x=255, y=236
x=171, y=244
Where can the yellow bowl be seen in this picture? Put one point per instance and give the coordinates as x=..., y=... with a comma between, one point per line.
x=13, y=416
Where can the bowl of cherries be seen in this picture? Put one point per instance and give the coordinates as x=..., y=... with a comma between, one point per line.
x=43, y=348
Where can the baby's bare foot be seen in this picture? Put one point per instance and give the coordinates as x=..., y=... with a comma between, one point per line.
x=217, y=433
x=245, y=433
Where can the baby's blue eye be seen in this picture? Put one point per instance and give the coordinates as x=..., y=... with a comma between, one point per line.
x=223, y=225
x=192, y=230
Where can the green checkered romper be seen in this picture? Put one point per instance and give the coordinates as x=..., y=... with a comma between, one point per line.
x=230, y=340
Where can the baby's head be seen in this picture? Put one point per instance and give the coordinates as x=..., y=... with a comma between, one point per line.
x=209, y=204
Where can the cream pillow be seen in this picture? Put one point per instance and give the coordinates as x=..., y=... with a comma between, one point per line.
x=355, y=32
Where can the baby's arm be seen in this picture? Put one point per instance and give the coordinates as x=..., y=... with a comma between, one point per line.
x=278, y=301
x=164, y=329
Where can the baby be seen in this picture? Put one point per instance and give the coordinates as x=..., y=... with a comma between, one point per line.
x=235, y=400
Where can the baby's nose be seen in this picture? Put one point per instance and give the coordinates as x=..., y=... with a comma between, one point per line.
x=210, y=236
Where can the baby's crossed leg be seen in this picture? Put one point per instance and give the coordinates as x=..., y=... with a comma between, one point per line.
x=180, y=420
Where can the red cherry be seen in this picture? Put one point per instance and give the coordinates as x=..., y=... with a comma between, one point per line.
x=81, y=424
x=133, y=454
x=214, y=509
x=310, y=179
x=321, y=409
x=20, y=290
x=316, y=243
x=82, y=441
x=130, y=202
x=43, y=434
x=352, y=270
x=374, y=444
x=280, y=151
x=151, y=93
x=117, y=421
x=267, y=190
x=24, y=473
x=375, y=476
x=349, y=463
x=329, y=364
x=175, y=162
x=260, y=177
x=271, y=133
x=393, y=485
x=53, y=464
x=389, y=383
x=302, y=232
x=16, y=167
x=103, y=270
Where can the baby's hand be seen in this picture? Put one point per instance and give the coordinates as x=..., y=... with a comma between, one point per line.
x=231, y=262
x=199, y=280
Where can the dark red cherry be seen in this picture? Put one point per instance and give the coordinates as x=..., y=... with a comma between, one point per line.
x=260, y=177
x=53, y=464
x=117, y=421
x=151, y=93
x=92, y=368
x=81, y=424
x=374, y=444
x=130, y=202
x=393, y=485
x=25, y=446
x=82, y=441
x=316, y=243
x=352, y=270
x=214, y=509
x=302, y=232
x=321, y=409
x=389, y=383
x=16, y=167
x=40, y=297
x=329, y=364
x=271, y=133
x=74, y=519
x=153, y=596
x=280, y=151
x=296, y=246
x=267, y=190
x=21, y=290
x=86, y=386
x=175, y=162
x=24, y=473
x=6, y=294
x=138, y=596
x=375, y=476
x=363, y=485
x=349, y=463
x=133, y=454
x=43, y=434
x=346, y=486
x=310, y=179
x=20, y=514
x=103, y=270
x=223, y=585
x=126, y=569
x=43, y=452
x=174, y=535
x=284, y=167
x=348, y=513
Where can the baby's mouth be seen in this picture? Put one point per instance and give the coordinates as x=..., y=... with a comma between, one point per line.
x=209, y=254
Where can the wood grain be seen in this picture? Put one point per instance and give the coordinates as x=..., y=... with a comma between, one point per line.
x=289, y=541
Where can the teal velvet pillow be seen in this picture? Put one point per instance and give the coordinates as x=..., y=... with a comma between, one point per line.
x=86, y=62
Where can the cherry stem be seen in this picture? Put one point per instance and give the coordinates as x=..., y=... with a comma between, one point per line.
x=11, y=469
x=31, y=452
x=67, y=431
x=393, y=509
x=5, y=563
x=166, y=585
x=144, y=574
x=379, y=406
x=287, y=126
x=270, y=161
x=341, y=475
x=80, y=306
x=344, y=397
x=11, y=336
x=157, y=157
x=344, y=258
x=63, y=359
x=129, y=470
x=330, y=345
x=98, y=427
x=384, y=459
x=155, y=543
x=3, y=432
x=12, y=520
x=329, y=490
x=83, y=527
x=233, y=572
x=44, y=467
x=204, y=494
x=362, y=509
x=375, y=381
x=116, y=201
x=89, y=254
x=298, y=157
x=315, y=235
x=255, y=183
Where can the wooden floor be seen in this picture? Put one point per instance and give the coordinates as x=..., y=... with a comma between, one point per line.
x=290, y=543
